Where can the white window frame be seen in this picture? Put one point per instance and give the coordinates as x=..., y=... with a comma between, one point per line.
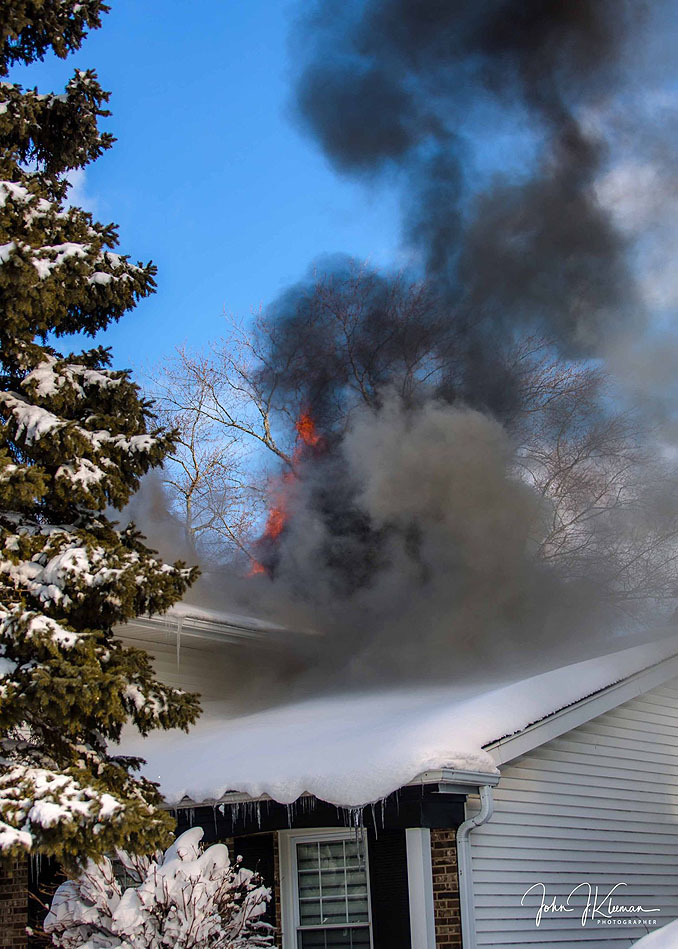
x=289, y=888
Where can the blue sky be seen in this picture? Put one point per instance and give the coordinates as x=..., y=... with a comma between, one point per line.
x=209, y=176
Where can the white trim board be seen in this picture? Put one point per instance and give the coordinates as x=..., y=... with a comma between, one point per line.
x=586, y=709
x=420, y=887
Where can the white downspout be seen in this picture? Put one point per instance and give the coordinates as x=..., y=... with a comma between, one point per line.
x=466, y=899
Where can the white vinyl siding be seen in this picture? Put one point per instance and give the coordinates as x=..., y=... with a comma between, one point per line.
x=599, y=805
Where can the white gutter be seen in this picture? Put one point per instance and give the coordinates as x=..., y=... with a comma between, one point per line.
x=466, y=896
x=146, y=631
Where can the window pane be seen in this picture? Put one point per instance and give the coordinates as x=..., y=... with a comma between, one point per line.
x=334, y=911
x=355, y=878
x=309, y=913
x=307, y=856
x=334, y=882
x=309, y=883
x=339, y=939
x=332, y=890
x=357, y=911
x=358, y=938
x=332, y=854
x=312, y=939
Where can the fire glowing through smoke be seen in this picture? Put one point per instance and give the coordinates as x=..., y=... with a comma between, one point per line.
x=307, y=437
x=307, y=434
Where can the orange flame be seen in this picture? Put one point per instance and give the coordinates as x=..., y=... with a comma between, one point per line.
x=307, y=431
x=307, y=437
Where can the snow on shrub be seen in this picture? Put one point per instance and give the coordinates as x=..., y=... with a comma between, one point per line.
x=186, y=898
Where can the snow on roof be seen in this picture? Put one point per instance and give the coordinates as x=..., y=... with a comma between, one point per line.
x=351, y=750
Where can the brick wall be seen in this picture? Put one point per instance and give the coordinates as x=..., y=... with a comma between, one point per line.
x=276, y=889
x=13, y=903
x=446, y=909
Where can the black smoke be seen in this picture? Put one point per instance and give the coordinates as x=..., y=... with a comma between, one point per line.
x=409, y=534
x=401, y=87
x=426, y=534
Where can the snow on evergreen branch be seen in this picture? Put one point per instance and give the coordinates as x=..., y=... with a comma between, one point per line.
x=34, y=423
x=52, y=375
x=34, y=625
x=33, y=800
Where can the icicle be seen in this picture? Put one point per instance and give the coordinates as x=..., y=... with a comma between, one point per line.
x=373, y=808
x=180, y=621
x=214, y=816
x=354, y=817
x=235, y=812
x=36, y=864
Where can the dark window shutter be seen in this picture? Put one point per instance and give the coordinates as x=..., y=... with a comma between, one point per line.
x=388, y=889
x=256, y=851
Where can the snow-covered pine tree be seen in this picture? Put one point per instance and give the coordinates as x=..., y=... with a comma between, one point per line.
x=75, y=438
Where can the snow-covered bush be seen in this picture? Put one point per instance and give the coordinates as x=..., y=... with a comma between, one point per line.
x=186, y=898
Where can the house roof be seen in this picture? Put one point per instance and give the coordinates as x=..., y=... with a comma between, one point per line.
x=353, y=749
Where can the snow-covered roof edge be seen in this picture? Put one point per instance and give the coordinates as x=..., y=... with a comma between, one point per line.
x=584, y=709
x=351, y=750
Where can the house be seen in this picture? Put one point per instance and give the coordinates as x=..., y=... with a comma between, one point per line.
x=530, y=813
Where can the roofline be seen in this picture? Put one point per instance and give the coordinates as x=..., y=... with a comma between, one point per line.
x=202, y=628
x=449, y=781
x=584, y=710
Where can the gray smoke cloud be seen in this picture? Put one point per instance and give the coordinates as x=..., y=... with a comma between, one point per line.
x=429, y=536
x=150, y=510
x=456, y=579
x=504, y=126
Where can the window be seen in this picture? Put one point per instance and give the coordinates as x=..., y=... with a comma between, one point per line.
x=326, y=890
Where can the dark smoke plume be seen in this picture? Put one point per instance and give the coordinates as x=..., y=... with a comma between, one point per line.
x=412, y=535
x=477, y=496
x=400, y=86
